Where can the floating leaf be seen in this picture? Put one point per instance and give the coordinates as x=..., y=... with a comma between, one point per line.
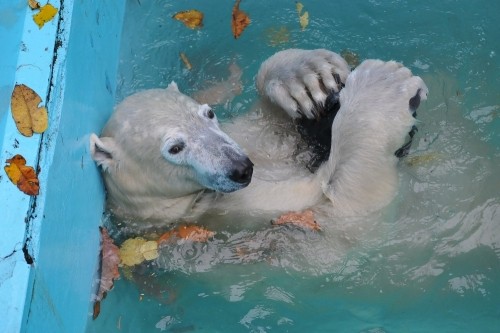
x=21, y=175
x=419, y=160
x=187, y=232
x=351, y=57
x=277, y=36
x=45, y=14
x=303, y=17
x=109, y=269
x=191, y=18
x=185, y=60
x=303, y=219
x=130, y=251
x=240, y=20
x=135, y=250
x=29, y=117
x=33, y=4
x=149, y=250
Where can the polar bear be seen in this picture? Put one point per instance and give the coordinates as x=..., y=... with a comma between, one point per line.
x=165, y=156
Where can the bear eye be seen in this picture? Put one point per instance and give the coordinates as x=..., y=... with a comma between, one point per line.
x=175, y=149
x=210, y=114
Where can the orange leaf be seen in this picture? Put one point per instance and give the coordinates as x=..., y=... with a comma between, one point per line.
x=21, y=175
x=240, y=20
x=109, y=268
x=33, y=4
x=188, y=232
x=191, y=18
x=303, y=219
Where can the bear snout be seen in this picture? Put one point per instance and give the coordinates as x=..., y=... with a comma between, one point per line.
x=242, y=171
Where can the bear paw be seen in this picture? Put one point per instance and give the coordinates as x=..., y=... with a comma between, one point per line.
x=299, y=81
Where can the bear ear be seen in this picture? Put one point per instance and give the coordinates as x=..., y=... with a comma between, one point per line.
x=102, y=150
x=173, y=86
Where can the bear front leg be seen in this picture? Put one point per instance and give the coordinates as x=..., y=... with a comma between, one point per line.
x=300, y=81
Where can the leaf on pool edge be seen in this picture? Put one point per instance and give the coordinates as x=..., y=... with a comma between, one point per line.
x=22, y=175
x=109, y=269
x=33, y=4
x=28, y=116
x=46, y=13
x=240, y=20
x=191, y=18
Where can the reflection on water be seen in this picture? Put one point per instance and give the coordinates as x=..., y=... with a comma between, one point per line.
x=428, y=262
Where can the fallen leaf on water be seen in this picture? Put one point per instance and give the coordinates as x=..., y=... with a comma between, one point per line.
x=422, y=159
x=29, y=117
x=45, y=14
x=240, y=20
x=22, y=175
x=109, y=269
x=303, y=17
x=351, y=57
x=303, y=219
x=149, y=250
x=136, y=250
x=188, y=232
x=191, y=18
x=33, y=4
x=185, y=60
x=277, y=36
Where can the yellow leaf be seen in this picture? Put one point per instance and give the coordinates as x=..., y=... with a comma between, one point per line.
x=29, y=117
x=299, y=7
x=149, y=250
x=191, y=18
x=45, y=14
x=185, y=60
x=130, y=251
x=303, y=18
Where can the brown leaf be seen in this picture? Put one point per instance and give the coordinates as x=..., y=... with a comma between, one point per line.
x=21, y=175
x=188, y=232
x=303, y=219
x=109, y=268
x=240, y=20
x=29, y=117
x=33, y=4
x=191, y=18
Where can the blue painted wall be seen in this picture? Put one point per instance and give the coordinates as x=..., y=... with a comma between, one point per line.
x=71, y=62
x=69, y=237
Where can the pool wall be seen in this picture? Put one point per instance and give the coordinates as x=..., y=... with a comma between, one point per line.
x=49, y=244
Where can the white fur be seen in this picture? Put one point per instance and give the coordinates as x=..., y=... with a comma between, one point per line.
x=360, y=175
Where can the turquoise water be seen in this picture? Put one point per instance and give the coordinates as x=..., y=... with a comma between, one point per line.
x=430, y=262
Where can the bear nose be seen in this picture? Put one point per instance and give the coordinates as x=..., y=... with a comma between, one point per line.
x=242, y=171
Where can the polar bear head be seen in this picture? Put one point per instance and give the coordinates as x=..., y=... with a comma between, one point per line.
x=161, y=143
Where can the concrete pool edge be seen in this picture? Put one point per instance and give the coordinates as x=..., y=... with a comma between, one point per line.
x=71, y=62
